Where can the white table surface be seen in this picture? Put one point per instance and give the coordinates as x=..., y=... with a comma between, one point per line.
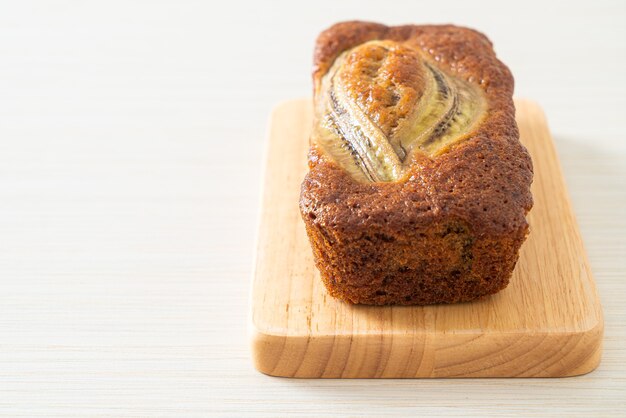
x=130, y=138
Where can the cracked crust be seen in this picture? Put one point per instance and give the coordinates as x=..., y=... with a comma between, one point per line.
x=448, y=231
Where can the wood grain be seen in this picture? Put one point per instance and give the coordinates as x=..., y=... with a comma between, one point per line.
x=547, y=323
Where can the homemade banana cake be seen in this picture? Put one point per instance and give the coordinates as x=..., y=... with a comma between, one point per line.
x=418, y=187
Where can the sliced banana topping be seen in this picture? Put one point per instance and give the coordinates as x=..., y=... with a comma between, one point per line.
x=375, y=139
x=378, y=159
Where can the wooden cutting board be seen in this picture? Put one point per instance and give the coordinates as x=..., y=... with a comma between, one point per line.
x=546, y=323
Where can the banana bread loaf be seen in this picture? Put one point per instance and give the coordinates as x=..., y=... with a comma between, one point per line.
x=418, y=187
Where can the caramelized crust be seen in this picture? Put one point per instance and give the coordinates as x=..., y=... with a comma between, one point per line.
x=386, y=80
x=450, y=227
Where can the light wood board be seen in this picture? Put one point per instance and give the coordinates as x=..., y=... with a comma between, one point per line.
x=546, y=323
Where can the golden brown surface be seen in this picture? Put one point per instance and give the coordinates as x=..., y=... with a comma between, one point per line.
x=446, y=224
x=386, y=83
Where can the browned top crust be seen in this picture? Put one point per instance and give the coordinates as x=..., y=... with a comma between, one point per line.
x=483, y=180
x=386, y=83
